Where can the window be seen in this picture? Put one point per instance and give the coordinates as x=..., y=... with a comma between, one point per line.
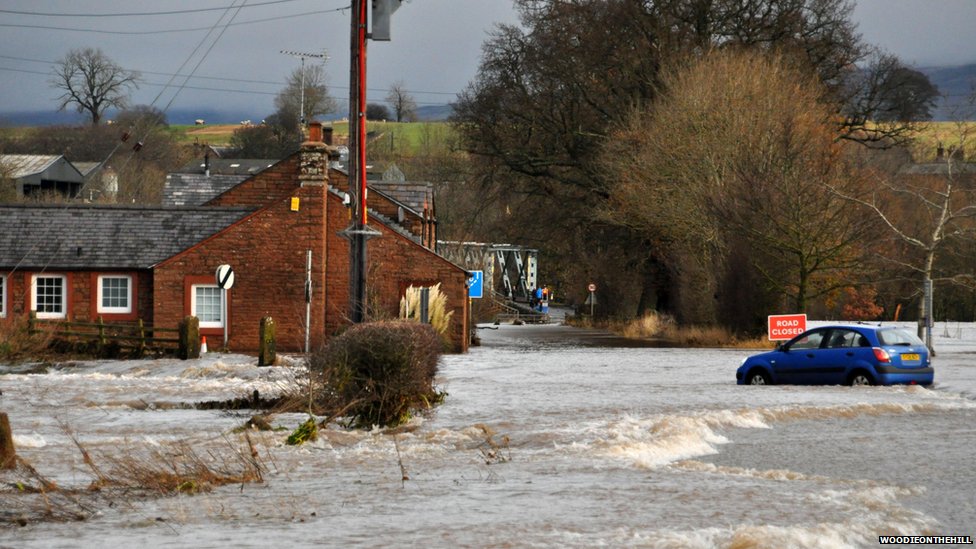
x=3, y=296
x=206, y=304
x=114, y=294
x=811, y=341
x=49, y=297
x=840, y=339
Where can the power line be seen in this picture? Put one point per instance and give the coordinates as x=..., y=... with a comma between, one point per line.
x=170, y=31
x=141, y=14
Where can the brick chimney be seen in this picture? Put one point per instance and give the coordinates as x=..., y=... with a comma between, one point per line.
x=313, y=167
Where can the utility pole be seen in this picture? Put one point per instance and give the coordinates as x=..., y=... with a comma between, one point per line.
x=358, y=231
x=301, y=55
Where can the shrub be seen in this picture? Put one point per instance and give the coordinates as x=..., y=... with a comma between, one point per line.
x=378, y=372
x=17, y=343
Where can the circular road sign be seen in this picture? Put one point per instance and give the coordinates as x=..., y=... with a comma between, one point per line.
x=592, y=287
x=225, y=277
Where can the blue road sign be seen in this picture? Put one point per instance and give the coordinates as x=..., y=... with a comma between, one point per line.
x=476, y=286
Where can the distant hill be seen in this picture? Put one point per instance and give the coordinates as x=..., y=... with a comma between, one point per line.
x=958, y=84
x=184, y=116
x=434, y=112
x=176, y=116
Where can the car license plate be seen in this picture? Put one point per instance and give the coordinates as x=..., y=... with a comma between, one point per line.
x=908, y=357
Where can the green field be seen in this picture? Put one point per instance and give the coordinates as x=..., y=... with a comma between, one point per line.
x=403, y=135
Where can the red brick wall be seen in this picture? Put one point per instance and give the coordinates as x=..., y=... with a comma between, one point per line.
x=394, y=262
x=82, y=294
x=263, y=188
x=267, y=251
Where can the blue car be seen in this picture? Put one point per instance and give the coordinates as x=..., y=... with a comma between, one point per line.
x=842, y=355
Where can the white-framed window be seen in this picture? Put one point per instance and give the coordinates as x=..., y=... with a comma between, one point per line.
x=206, y=303
x=3, y=296
x=114, y=294
x=49, y=296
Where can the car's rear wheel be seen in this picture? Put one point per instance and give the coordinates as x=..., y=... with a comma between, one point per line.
x=860, y=379
x=758, y=378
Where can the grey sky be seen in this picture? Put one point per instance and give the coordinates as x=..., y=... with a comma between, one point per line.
x=921, y=32
x=435, y=49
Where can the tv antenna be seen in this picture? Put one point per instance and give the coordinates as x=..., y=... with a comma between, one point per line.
x=303, y=56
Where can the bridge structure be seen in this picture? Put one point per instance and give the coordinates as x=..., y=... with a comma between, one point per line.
x=510, y=271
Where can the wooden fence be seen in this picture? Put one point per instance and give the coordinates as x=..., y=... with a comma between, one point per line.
x=135, y=335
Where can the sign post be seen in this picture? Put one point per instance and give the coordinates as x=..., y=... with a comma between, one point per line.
x=785, y=327
x=225, y=281
x=592, y=289
x=308, y=298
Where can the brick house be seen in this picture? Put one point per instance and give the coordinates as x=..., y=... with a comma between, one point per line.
x=158, y=264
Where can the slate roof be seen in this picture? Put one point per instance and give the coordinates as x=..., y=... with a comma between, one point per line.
x=86, y=167
x=411, y=194
x=56, y=236
x=188, y=189
x=229, y=166
x=23, y=165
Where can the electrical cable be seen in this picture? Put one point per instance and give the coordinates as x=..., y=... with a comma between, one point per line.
x=141, y=14
x=82, y=187
x=195, y=68
x=170, y=31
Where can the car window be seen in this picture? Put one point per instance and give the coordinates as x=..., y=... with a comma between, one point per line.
x=811, y=340
x=898, y=336
x=840, y=339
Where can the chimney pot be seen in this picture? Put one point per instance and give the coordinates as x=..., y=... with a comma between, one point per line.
x=315, y=132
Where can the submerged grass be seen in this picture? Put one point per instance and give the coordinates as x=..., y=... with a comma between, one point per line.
x=27, y=497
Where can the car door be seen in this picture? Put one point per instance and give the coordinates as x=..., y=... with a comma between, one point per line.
x=799, y=358
x=835, y=358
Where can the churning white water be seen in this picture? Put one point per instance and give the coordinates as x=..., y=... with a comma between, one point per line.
x=550, y=437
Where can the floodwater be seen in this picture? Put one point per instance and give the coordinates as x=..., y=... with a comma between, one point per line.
x=550, y=437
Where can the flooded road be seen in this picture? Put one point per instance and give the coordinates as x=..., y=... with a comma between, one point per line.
x=550, y=437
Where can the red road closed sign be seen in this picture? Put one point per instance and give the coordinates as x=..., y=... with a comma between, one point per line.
x=782, y=327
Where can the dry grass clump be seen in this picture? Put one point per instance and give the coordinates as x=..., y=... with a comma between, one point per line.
x=438, y=315
x=665, y=329
x=176, y=469
x=653, y=325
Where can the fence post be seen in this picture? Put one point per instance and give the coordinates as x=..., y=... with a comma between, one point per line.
x=266, y=346
x=189, y=338
x=101, y=332
x=8, y=456
x=142, y=337
x=32, y=323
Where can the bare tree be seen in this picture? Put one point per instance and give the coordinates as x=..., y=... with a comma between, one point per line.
x=315, y=98
x=884, y=100
x=549, y=91
x=402, y=103
x=926, y=209
x=92, y=83
x=741, y=151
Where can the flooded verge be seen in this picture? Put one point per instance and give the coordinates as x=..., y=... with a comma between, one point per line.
x=546, y=439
